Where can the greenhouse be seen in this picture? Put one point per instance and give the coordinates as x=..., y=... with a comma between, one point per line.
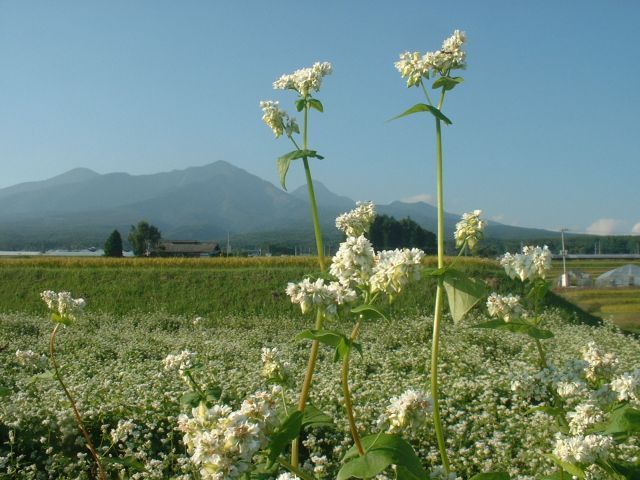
x=625, y=276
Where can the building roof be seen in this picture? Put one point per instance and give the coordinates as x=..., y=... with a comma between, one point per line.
x=187, y=246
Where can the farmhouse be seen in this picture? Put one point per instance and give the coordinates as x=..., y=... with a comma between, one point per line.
x=186, y=248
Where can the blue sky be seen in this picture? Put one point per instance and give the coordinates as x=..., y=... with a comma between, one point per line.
x=546, y=125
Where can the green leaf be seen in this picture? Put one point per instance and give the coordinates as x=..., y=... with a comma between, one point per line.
x=553, y=476
x=314, y=417
x=436, y=272
x=328, y=337
x=213, y=393
x=5, y=392
x=423, y=107
x=300, y=104
x=190, y=399
x=367, y=466
x=491, y=476
x=448, y=83
x=60, y=319
x=517, y=326
x=463, y=293
x=131, y=462
x=47, y=375
x=285, y=434
x=553, y=411
x=285, y=160
x=313, y=103
x=336, y=340
x=402, y=455
x=567, y=467
x=627, y=470
x=623, y=422
x=367, y=312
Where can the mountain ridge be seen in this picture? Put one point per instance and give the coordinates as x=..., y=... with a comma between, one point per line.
x=202, y=202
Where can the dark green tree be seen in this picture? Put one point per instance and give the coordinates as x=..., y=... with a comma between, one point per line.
x=388, y=233
x=143, y=238
x=113, y=245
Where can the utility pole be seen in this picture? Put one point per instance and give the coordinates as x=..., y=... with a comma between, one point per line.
x=564, y=282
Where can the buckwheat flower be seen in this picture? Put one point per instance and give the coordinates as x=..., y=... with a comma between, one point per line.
x=63, y=304
x=584, y=416
x=26, y=357
x=394, y=269
x=505, y=307
x=122, y=431
x=469, y=230
x=287, y=476
x=273, y=368
x=583, y=449
x=452, y=55
x=532, y=263
x=409, y=410
x=413, y=66
x=181, y=362
x=304, y=80
x=278, y=120
x=439, y=473
x=598, y=364
x=319, y=465
x=353, y=263
x=318, y=294
x=627, y=386
x=357, y=221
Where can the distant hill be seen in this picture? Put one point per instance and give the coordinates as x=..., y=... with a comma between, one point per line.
x=81, y=207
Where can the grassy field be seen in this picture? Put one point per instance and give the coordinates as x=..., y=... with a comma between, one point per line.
x=214, y=287
x=620, y=305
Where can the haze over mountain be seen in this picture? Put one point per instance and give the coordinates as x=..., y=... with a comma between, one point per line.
x=203, y=203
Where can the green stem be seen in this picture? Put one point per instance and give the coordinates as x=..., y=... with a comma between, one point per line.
x=543, y=358
x=347, y=394
x=306, y=385
x=437, y=317
x=313, y=355
x=426, y=93
x=294, y=469
x=76, y=414
x=312, y=195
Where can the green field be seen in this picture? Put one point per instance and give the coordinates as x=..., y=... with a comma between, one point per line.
x=214, y=287
x=620, y=305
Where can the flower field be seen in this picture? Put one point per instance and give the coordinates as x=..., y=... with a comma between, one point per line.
x=114, y=366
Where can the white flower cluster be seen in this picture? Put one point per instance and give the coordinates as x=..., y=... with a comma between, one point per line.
x=394, y=269
x=583, y=416
x=122, y=430
x=469, y=229
x=532, y=263
x=222, y=442
x=26, y=357
x=287, y=476
x=598, y=364
x=181, y=362
x=627, y=386
x=353, y=263
x=273, y=368
x=304, y=80
x=327, y=296
x=357, y=221
x=409, y=410
x=63, y=304
x=278, y=120
x=583, y=449
x=506, y=307
x=439, y=473
x=451, y=56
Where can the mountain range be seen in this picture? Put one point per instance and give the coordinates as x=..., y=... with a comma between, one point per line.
x=81, y=207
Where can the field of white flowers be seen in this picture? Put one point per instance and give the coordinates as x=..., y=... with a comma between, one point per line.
x=130, y=403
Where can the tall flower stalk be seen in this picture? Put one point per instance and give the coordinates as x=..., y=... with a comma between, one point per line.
x=65, y=310
x=303, y=81
x=417, y=68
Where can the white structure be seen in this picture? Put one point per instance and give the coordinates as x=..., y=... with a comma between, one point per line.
x=625, y=276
